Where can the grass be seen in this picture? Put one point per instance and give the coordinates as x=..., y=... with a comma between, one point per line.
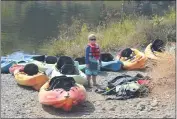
x=130, y=33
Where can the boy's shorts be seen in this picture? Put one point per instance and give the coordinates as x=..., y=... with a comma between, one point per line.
x=89, y=72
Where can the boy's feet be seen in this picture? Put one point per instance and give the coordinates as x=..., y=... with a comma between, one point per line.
x=95, y=84
x=89, y=85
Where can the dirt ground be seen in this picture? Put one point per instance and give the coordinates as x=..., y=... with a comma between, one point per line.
x=22, y=102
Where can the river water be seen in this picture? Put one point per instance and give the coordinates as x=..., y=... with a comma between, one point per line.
x=27, y=25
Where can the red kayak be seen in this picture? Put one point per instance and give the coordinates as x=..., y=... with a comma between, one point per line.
x=16, y=66
x=59, y=97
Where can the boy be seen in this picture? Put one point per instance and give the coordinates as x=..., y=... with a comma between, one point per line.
x=92, y=59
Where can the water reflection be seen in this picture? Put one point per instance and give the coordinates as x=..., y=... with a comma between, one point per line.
x=27, y=25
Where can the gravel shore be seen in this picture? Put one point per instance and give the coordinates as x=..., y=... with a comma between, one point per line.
x=22, y=102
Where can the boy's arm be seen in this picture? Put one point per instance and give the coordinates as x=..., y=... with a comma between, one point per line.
x=87, y=55
x=100, y=57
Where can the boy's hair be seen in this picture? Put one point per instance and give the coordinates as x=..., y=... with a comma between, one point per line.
x=91, y=36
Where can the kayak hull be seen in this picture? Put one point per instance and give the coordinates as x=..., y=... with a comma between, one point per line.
x=80, y=79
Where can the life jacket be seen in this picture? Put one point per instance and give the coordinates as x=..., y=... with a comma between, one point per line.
x=94, y=51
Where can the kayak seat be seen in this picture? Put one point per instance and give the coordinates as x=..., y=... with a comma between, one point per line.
x=64, y=60
x=51, y=59
x=39, y=58
x=69, y=69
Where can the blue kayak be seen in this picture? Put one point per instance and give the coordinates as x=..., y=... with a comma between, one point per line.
x=112, y=66
x=14, y=58
x=107, y=66
x=20, y=56
x=6, y=65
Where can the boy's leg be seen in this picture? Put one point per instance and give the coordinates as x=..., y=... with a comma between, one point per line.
x=94, y=80
x=89, y=78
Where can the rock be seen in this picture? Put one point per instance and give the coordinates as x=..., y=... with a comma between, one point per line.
x=112, y=109
x=150, y=109
x=140, y=107
x=166, y=116
x=104, y=108
x=18, y=112
x=32, y=99
x=154, y=103
x=98, y=103
x=28, y=111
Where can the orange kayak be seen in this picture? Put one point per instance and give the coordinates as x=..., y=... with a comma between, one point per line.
x=36, y=81
x=60, y=98
x=137, y=63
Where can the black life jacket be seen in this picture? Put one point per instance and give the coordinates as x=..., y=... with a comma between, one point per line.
x=106, y=57
x=81, y=60
x=63, y=82
x=64, y=60
x=69, y=69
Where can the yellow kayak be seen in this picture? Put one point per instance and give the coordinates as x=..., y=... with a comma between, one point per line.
x=153, y=54
x=138, y=62
x=36, y=81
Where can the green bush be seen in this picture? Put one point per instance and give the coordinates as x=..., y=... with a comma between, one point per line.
x=129, y=33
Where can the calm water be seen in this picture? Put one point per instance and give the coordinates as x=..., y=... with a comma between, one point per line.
x=30, y=24
x=27, y=25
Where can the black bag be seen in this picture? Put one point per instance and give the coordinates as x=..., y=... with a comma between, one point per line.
x=69, y=69
x=157, y=45
x=121, y=80
x=31, y=69
x=106, y=57
x=81, y=60
x=63, y=82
